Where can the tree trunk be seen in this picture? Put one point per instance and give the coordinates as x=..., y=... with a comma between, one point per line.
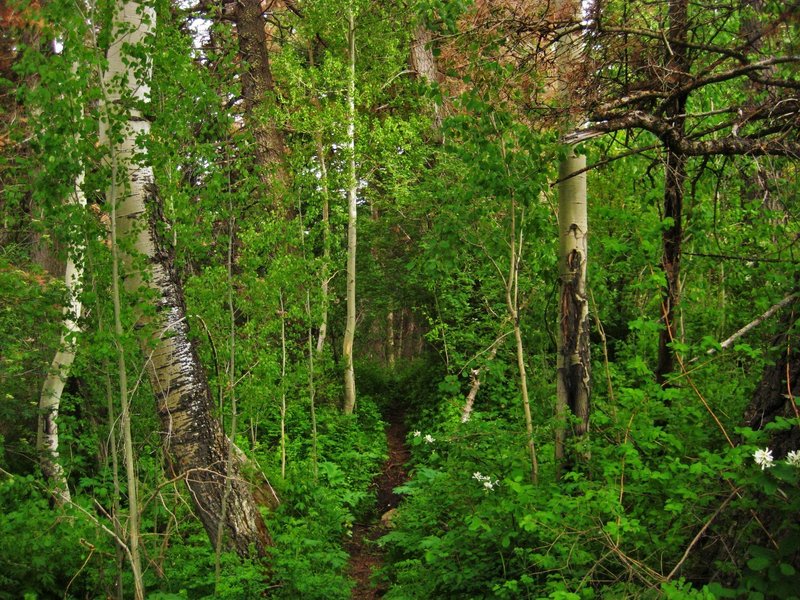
x=194, y=443
x=424, y=64
x=674, y=177
x=352, y=213
x=778, y=390
x=475, y=383
x=326, y=246
x=50, y=399
x=258, y=89
x=573, y=378
x=390, y=355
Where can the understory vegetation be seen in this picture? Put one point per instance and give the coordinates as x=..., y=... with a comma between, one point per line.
x=210, y=212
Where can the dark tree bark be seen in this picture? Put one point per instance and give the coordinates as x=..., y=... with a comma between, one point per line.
x=258, y=86
x=678, y=66
x=194, y=443
x=778, y=390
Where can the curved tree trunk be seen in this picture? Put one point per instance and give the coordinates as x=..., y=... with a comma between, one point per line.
x=50, y=398
x=194, y=442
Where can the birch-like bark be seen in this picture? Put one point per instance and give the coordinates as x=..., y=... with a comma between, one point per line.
x=573, y=361
x=326, y=245
x=352, y=213
x=194, y=443
x=53, y=386
x=475, y=384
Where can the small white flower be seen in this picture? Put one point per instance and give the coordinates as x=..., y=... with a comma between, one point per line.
x=488, y=485
x=477, y=475
x=793, y=458
x=428, y=438
x=763, y=458
x=417, y=434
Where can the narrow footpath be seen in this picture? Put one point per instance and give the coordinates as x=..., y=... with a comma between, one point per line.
x=365, y=555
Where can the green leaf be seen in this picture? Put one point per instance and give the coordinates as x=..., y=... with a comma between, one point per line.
x=759, y=563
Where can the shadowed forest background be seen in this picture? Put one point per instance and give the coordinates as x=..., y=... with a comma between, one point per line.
x=404, y=299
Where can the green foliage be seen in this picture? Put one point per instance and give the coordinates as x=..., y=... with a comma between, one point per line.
x=663, y=500
x=46, y=553
x=317, y=513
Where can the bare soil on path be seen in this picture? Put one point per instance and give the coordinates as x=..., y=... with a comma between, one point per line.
x=365, y=555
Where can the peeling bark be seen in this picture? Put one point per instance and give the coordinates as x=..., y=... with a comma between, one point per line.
x=574, y=361
x=194, y=443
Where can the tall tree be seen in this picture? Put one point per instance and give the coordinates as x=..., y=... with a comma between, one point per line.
x=193, y=440
x=53, y=386
x=352, y=216
x=685, y=76
x=573, y=361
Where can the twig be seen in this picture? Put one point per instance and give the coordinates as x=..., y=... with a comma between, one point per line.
x=755, y=323
x=701, y=532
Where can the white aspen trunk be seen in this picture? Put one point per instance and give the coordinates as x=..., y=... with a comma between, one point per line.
x=390, y=355
x=573, y=362
x=53, y=386
x=350, y=327
x=475, y=384
x=326, y=246
x=194, y=442
x=326, y=227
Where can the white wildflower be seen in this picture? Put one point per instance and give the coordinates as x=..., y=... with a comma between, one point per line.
x=428, y=438
x=485, y=480
x=763, y=458
x=417, y=433
x=793, y=458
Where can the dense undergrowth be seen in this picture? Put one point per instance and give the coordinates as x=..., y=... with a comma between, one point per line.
x=663, y=507
x=69, y=552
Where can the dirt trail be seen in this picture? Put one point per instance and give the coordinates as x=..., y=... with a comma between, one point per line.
x=365, y=556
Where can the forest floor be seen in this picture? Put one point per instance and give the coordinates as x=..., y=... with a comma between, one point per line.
x=365, y=555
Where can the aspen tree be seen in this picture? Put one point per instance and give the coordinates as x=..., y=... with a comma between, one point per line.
x=194, y=442
x=573, y=385
x=352, y=214
x=573, y=361
x=53, y=386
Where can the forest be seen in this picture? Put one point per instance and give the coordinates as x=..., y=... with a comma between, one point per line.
x=404, y=299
